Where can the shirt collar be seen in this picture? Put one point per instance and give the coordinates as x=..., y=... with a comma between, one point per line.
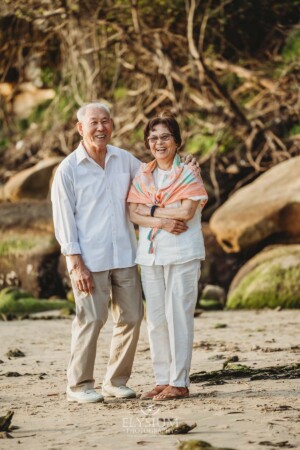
x=81, y=153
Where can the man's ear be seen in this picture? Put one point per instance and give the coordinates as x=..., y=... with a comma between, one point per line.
x=79, y=128
x=112, y=123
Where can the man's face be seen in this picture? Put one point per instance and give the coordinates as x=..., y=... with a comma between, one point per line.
x=96, y=128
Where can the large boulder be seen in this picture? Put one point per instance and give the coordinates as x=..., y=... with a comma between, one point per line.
x=270, y=279
x=268, y=206
x=219, y=267
x=32, y=183
x=22, y=99
x=29, y=252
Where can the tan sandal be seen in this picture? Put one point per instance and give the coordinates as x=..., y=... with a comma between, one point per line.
x=172, y=393
x=155, y=391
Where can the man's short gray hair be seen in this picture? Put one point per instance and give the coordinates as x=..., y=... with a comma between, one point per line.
x=82, y=110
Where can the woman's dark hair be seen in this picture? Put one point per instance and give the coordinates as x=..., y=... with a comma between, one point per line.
x=165, y=118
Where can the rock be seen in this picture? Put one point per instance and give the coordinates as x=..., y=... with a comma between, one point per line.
x=233, y=359
x=32, y=183
x=214, y=292
x=29, y=252
x=219, y=267
x=181, y=428
x=210, y=304
x=270, y=279
x=28, y=98
x=198, y=445
x=5, y=421
x=268, y=205
x=15, y=353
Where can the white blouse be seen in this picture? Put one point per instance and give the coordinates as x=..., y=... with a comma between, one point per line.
x=170, y=248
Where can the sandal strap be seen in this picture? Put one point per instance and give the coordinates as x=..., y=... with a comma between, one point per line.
x=155, y=391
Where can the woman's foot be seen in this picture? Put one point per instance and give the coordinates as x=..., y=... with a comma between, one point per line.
x=171, y=393
x=155, y=391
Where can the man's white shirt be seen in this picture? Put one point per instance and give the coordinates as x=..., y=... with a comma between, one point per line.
x=89, y=208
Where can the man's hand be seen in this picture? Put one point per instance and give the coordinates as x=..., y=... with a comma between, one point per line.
x=143, y=210
x=191, y=161
x=173, y=226
x=81, y=276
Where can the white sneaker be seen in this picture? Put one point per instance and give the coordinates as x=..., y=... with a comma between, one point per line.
x=87, y=396
x=118, y=391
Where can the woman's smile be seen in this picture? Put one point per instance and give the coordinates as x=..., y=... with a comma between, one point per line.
x=162, y=145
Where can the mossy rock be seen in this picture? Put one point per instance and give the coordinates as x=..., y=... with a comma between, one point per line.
x=19, y=302
x=269, y=280
x=198, y=445
x=210, y=304
x=32, y=243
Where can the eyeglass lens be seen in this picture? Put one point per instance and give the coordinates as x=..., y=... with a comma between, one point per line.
x=163, y=138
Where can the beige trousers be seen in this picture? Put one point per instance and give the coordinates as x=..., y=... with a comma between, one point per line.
x=124, y=287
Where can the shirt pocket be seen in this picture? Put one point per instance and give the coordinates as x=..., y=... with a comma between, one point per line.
x=122, y=184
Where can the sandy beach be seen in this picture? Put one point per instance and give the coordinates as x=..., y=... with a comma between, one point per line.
x=240, y=414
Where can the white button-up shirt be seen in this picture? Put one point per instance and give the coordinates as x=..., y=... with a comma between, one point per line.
x=89, y=208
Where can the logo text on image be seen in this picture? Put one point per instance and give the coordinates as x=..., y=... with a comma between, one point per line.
x=148, y=422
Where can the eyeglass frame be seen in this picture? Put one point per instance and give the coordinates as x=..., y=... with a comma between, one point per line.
x=164, y=138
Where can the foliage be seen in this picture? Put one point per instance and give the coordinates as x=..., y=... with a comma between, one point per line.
x=201, y=60
x=200, y=144
x=291, y=50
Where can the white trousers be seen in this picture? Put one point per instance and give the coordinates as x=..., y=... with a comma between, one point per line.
x=171, y=294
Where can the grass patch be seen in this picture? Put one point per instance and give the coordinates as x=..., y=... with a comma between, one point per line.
x=17, y=245
x=17, y=301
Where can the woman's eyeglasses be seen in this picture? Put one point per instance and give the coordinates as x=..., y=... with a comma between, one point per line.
x=163, y=138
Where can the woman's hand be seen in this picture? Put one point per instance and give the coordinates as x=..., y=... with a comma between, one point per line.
x=173, y=226
x=143, y=210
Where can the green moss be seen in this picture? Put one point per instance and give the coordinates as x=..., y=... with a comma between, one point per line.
x=210, y=305
x=220, y=325
x=294, y=130
x=16, y=301
x=291, y=50
x=48, y=76
x=268, y=285
x=39, y=115
x=14, y=293
x=4, y=142
x=17, y=244
x=230, y=80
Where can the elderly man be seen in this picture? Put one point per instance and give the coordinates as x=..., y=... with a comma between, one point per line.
x=92, y=226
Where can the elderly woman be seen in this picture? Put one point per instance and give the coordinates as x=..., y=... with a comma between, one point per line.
x=165, y=200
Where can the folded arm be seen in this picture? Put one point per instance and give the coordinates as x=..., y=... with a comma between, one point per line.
x=168, y=224
x=184, y=212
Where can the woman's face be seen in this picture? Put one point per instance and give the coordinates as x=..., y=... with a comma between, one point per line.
x=162, y=144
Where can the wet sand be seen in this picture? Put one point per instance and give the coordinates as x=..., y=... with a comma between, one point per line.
x=240, y=414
